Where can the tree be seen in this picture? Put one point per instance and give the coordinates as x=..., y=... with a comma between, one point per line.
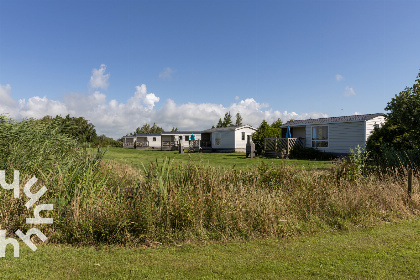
x=227, y=121
x=147, y=129
x=238, y=119
x=77, y=128
x=174, y=129
x=263, y=131
x=276, y=128
x=220, y=123
x=402, y=128
x=156, y=129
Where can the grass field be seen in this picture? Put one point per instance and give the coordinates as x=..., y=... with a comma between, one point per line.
x=138, y=157
x=390, y=251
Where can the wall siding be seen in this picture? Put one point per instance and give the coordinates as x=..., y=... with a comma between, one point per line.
x=344, y=136
x=240, y=145
x=154, y=144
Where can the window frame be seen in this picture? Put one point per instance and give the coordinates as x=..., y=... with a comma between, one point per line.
x=315, y=142
x=243, y=136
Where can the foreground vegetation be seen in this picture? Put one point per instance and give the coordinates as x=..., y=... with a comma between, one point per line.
x=390, y=251
x=105, y=202
x=174, y=202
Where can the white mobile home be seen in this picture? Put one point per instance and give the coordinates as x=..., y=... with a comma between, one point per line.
x=128, y=141
x=170, y=140
x=227, y=139
x=145, y=141
x=336, y=134
x=142, y=141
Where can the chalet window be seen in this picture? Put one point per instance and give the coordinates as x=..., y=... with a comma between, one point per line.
x=187, y=138
x=319, y=136
x=154, y=139
x=243, y=135
x=218, y=138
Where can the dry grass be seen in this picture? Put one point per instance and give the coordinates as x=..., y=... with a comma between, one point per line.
x=110, y=203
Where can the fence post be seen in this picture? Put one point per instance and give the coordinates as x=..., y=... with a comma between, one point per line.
x=410, y=182
x=288, y=148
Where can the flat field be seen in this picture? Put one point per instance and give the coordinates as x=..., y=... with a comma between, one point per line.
x=137, y=157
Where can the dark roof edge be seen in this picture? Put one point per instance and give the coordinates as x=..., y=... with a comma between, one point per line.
x=352, y=118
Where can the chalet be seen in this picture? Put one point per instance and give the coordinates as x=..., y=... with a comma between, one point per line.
x=170, y=140
x=226, y=139
x=143, y=141
x=336, y=134
x=128, y=141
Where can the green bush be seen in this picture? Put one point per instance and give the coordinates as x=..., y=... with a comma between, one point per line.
x=299, y=152
x=390, y=158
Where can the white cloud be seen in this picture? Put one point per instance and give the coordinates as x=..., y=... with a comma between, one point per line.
x=37, y=107
x=349, y=91
x=7, y=102
x=236, y=97
x=116, y=119
x=141, y=97
x=99, y=79
x=166, y=74
x=339, y=78
x=357, y=113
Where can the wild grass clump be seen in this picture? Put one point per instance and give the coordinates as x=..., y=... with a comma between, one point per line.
x=31, y=146
x=194, y=202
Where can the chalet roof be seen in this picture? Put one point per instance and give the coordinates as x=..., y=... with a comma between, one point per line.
x=353, y=118
x=227, y=128
x=144, y=135
x=181, y=132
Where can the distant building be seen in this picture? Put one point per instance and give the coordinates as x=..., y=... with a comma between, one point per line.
x=143, y=141
x=170, y=140
x=226, y=139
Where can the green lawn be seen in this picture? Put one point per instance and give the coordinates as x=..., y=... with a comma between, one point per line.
x=136, y=158
x=390, y=251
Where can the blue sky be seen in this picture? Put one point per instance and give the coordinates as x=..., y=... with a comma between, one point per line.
x=121, y=64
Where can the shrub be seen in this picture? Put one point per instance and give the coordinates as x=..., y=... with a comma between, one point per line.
x=299, y=152
x=390, y=158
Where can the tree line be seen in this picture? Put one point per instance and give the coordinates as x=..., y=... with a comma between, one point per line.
x=79, y=129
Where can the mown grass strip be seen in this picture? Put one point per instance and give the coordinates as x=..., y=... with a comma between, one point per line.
x=390, y=251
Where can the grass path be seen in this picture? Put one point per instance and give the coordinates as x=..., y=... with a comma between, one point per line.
x=226, y=160
x=389, y=251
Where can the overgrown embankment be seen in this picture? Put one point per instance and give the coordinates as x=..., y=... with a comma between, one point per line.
x=99, y=202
